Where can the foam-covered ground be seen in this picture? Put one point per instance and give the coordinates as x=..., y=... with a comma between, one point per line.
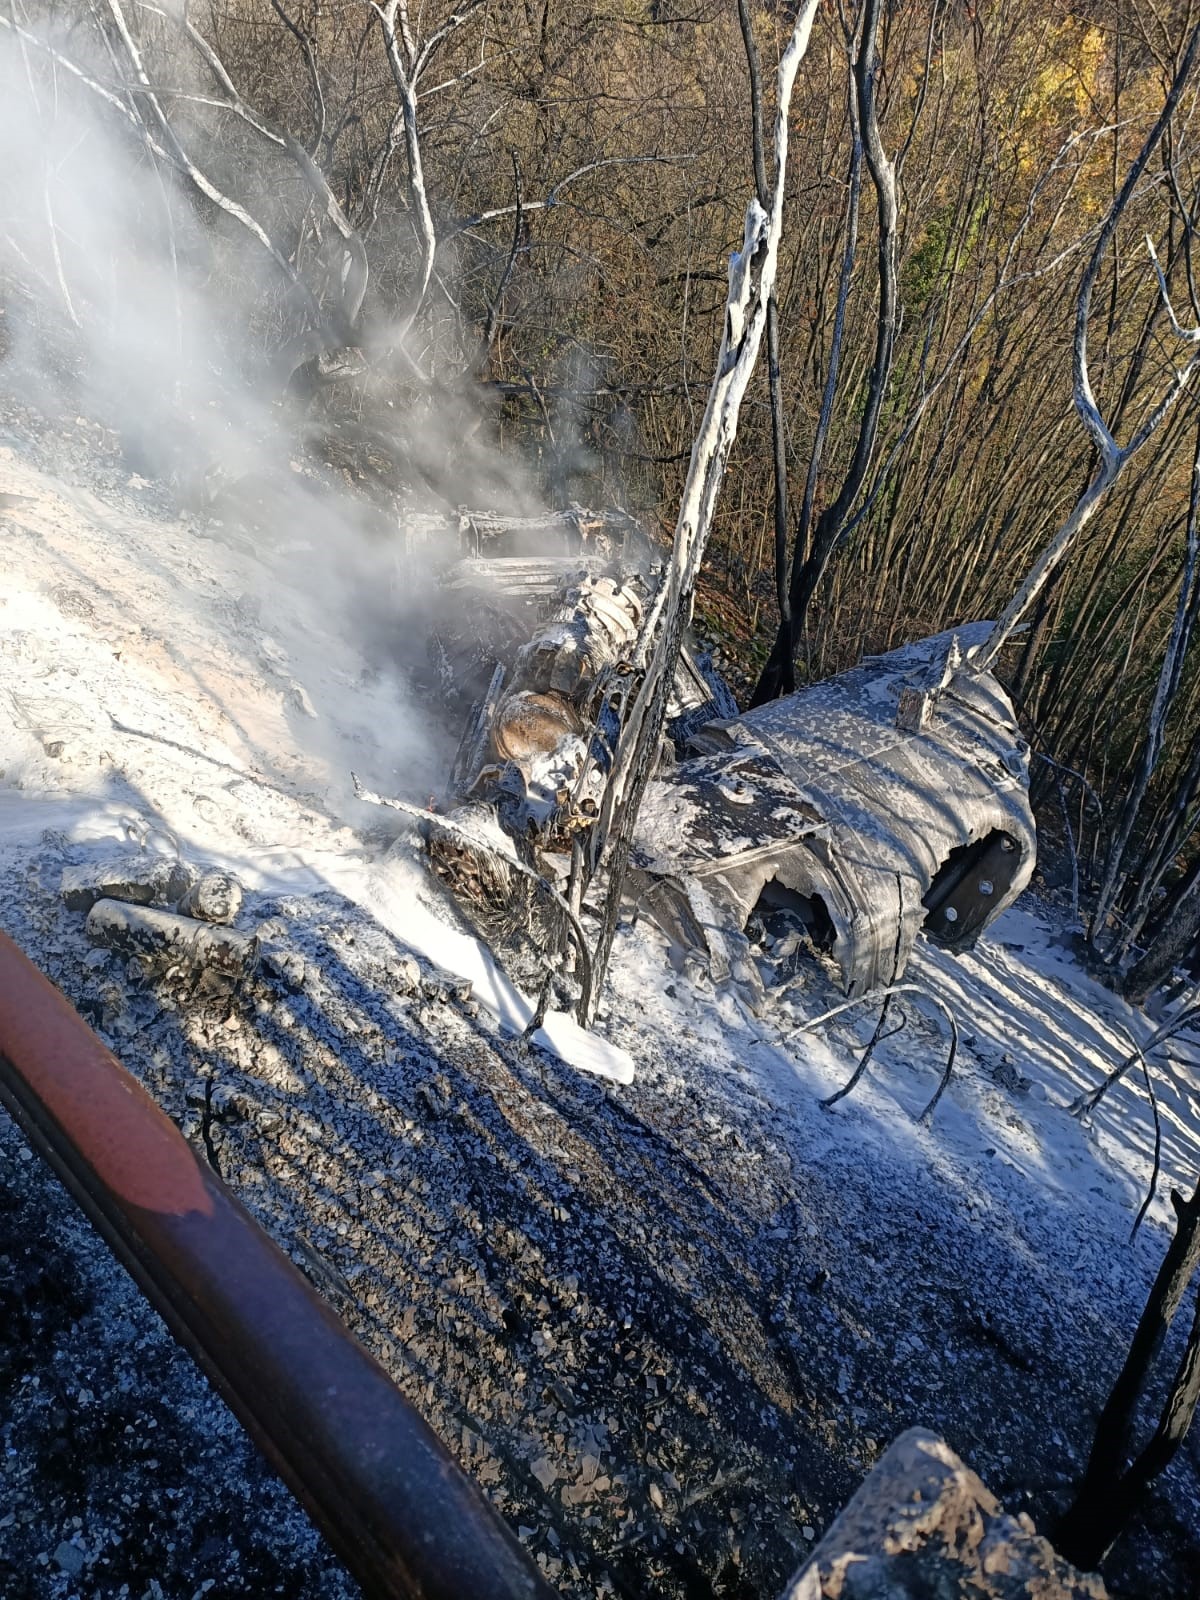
x=663, y=1305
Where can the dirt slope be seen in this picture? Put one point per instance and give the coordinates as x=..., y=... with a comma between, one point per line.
x=666, y=1324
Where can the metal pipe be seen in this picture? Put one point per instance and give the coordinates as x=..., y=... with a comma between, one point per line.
x=392, y=1502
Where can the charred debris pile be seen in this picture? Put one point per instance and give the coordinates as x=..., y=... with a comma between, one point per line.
x=840, y=821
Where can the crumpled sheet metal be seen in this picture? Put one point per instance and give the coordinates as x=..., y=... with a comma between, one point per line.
x=823, y=792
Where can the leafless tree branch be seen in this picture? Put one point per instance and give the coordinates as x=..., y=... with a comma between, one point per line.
x=1111, y=457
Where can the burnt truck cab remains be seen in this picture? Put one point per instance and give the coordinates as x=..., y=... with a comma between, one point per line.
x=846, y=818
x=888, y=801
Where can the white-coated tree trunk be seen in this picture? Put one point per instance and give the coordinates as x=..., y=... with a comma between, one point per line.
x=751, y=279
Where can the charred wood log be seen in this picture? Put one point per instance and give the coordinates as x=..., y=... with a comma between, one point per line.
x=136, y=879
x=214, y=897
x=167, y=938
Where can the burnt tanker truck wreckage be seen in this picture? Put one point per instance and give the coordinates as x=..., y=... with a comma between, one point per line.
x=843, y=820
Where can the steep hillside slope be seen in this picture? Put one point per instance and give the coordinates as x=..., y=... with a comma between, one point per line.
x=666, y=1322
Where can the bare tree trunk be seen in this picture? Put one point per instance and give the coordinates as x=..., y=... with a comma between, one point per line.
x=774, y=375
x=809, y=561
x=314, y=75
x=339, y=330
x=1165, y=694
x=408, y=58
x=1110, y=1494
x=1169, y=949
x=1172, y=825
x=751, y=280
x=1039, y=629
x=162, y=141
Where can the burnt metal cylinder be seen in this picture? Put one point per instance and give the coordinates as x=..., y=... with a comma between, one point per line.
x=388, y=1496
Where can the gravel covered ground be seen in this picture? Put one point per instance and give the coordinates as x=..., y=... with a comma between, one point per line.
x=666, y=1343
x=667, y=1325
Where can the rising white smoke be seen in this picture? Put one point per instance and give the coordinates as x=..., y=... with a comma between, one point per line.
x=134, y=302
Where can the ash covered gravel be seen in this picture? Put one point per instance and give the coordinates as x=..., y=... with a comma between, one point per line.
x=122, y=1473
x=665, y=1347
x=574, y=1304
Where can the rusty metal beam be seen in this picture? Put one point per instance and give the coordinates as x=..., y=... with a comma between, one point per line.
x=388, y=1496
